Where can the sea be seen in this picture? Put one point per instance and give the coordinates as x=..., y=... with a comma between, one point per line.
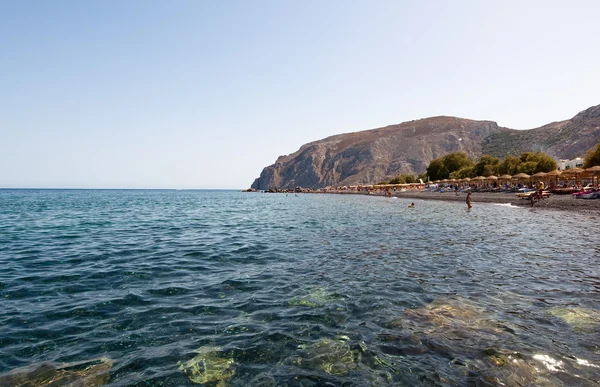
x=225, y=288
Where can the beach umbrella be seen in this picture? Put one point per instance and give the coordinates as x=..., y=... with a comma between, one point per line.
x=556, y=173
x=521, y=176
x=478, y=179
x=539, y=175
x=573, y=173
x=492, y=177
x=594, y=171
x=505, y=178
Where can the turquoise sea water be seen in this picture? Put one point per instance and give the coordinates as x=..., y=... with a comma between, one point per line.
x=307, y=290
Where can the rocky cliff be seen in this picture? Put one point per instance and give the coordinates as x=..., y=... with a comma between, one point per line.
x=371, y=156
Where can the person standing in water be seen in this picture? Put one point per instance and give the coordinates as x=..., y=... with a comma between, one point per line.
x=469, y=200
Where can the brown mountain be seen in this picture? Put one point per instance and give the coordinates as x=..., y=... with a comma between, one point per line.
x=374, y=155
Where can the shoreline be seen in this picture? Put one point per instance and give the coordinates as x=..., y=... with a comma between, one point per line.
x=554, y=202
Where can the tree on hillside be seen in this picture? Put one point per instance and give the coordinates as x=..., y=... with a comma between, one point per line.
x=403, y=179
x=592, y=157
x=409, y=179
x=486, y=166
x=455, y=161
x=458, y=165
x=466, y=171
x=528, y=167
x=436, y=170
x=510, y=165
x=442, y=167
x=543, y=162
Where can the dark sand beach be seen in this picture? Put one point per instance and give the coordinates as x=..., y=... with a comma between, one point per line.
x=556, y=202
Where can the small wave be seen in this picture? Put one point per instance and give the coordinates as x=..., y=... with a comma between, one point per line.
x=505, y=205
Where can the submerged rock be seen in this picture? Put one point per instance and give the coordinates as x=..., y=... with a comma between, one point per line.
x=209, y=366
x=332, y=356
x=453, y=320
x=581, y=319
x=509, y=368
x=315, y=297
x=88, y=373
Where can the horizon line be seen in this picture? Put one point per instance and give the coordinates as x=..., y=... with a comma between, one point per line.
x=123, y=189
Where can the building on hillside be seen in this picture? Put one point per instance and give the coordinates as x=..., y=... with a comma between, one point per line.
x=568, y=164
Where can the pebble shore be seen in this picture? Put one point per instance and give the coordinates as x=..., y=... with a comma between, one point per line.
x=555, y=202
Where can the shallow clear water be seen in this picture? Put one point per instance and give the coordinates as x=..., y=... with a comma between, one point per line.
x=282, y=285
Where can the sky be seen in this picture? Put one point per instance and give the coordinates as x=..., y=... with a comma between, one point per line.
x=205, y=94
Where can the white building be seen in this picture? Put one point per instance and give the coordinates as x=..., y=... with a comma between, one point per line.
x=567, y=164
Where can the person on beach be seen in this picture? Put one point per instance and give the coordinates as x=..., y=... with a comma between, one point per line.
x=469, y=200
x=541, y=190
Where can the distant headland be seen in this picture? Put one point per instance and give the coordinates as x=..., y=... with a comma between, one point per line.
x=375, y=155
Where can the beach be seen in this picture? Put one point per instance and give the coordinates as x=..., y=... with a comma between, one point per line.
x=555, y=202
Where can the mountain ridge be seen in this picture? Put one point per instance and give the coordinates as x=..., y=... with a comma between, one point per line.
x=377, y=154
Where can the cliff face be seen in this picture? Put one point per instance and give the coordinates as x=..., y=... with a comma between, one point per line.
x=374, y=155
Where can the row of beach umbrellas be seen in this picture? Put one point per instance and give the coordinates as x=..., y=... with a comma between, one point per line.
x=569, y=173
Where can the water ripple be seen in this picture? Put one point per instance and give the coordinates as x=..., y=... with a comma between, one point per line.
x=286, y=285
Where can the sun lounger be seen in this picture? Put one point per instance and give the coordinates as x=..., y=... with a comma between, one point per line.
x=527, y=195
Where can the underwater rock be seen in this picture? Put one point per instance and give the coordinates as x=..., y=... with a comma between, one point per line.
x=452, y=321
x=302, y=302
x=88, y=373
x=508, y=368
x=315, y=297
x=332, y=356
x=209, y=366
x=264, y=380
x=581, y=319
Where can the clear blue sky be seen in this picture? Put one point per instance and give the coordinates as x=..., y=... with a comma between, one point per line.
x=204, y=94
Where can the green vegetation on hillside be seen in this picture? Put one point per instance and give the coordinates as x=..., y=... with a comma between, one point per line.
x=401, y=179
x=592, y=157
x=459, y=166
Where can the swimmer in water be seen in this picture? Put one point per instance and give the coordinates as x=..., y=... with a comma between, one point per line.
x=469, y=201
x=411, y=205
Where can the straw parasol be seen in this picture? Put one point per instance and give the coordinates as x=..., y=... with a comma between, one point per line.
x=594, y=171
x=492, y=177
x=556, y=173
x=478, y=179
x=573, y=172
x=538, y=175
x=505, y=177
x=521, y=176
